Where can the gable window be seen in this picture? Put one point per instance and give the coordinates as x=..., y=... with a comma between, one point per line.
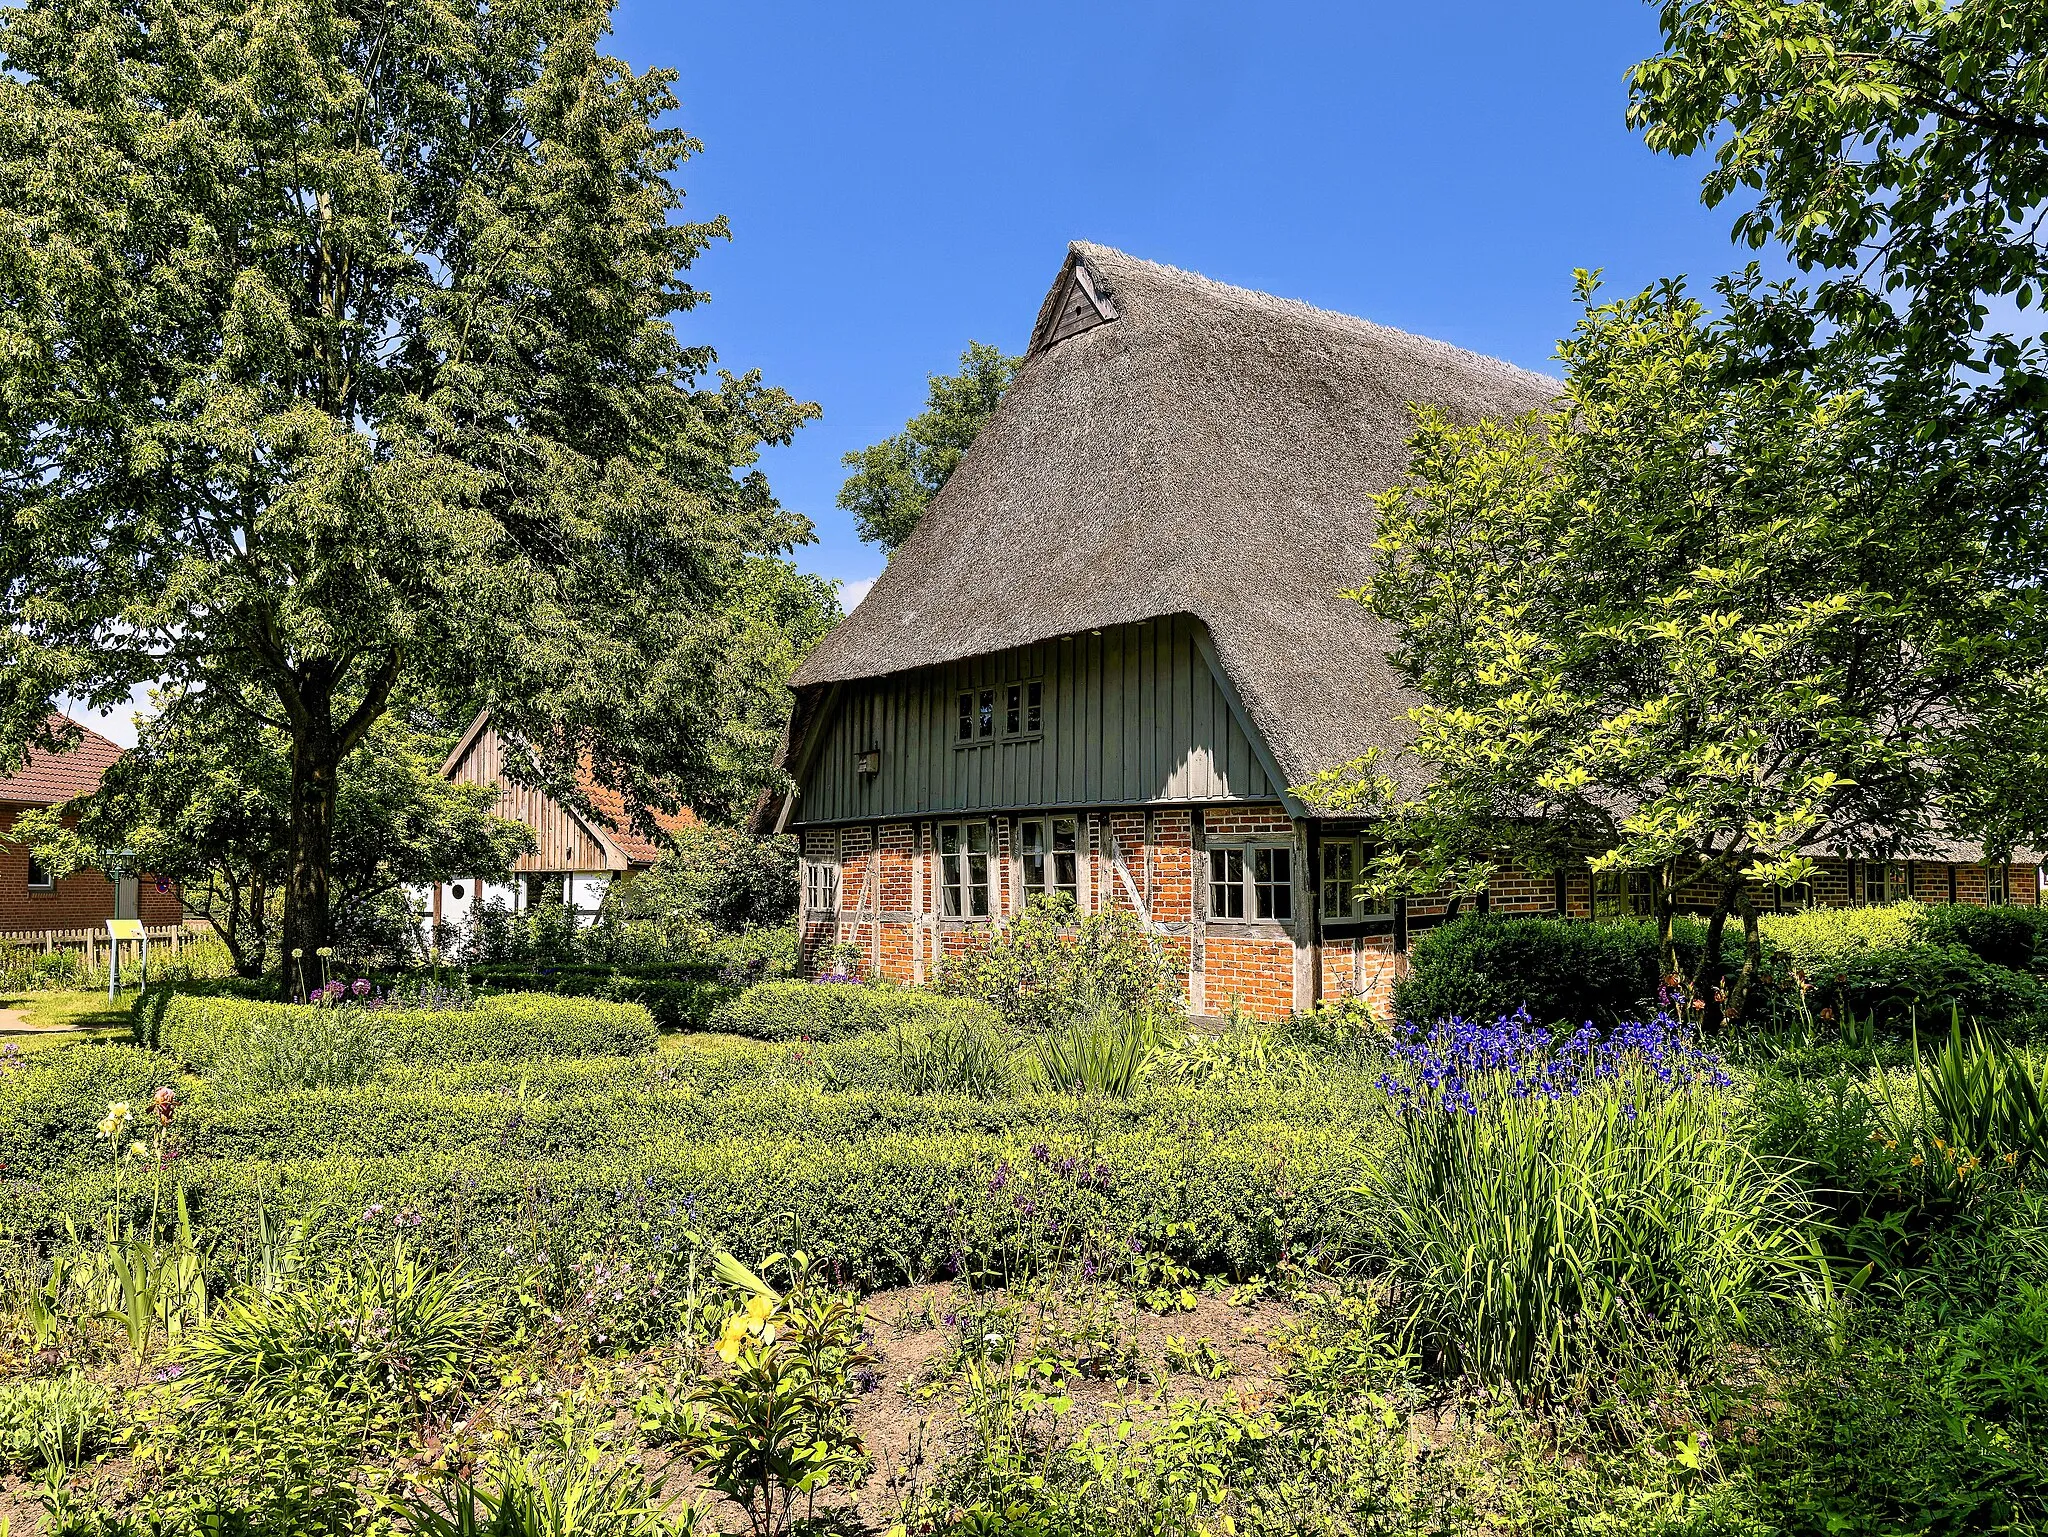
x=1997, y=889
x=1255, y=882
x=977, y=719
x=1048, y=848
x=39, y=876
x=1024, y=709
x=821, y=886
x=1343, y=864
x=964, y=870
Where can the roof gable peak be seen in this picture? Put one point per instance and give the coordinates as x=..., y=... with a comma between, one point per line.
x=1079, y=301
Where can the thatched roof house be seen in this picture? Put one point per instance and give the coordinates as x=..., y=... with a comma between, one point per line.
x=1119, y=635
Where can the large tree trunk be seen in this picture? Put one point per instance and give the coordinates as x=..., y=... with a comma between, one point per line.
x=308, y=925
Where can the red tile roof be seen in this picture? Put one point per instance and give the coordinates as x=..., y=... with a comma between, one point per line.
x=50, y=778
x=611, y=809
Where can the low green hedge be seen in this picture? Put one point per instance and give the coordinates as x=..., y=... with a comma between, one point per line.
x=2014, y=937
x=197, y=1029
x=146, y=1013
x=885, y=1209
x=830, y=1011
x=1923, y=982
x=677, y=1002
x=52, y=1105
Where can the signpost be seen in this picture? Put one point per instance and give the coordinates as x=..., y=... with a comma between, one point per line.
x=119, y=929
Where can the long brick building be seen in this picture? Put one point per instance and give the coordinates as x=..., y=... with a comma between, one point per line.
x=1119, y=635
x=35, y=900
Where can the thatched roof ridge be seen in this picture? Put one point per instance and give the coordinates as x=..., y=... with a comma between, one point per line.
x=1209, y=451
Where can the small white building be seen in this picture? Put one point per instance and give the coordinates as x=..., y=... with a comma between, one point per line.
x=576, y=858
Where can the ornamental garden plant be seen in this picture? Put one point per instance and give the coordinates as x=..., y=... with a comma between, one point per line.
x=905, y=1260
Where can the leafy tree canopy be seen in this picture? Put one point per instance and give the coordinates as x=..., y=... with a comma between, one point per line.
x=893, y=481
x=1706, y=618
x=336, y=367
x=204, y=798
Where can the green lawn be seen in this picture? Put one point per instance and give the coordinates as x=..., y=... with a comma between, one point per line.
x=49, y=1018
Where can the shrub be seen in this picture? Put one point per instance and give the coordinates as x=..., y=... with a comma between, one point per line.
x=828, y=1011
x=1824, y=936
x=2003, y=936
x=716, y=876
x=205, y=1031
x=53, y=1422
x=146, y=1013
x=1894, y=987
x=962, y=1053
x=1482, y=967
x=50, y=1105
x=680, y=996
x=1049, y=966
x=1547, y=1197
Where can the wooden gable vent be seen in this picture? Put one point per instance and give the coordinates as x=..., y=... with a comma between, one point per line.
x=1081, y=306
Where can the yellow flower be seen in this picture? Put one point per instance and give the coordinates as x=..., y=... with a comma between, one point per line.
x=117, y=1116
x=138, y=1150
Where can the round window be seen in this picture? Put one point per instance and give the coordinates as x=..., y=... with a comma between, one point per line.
x=455, y=891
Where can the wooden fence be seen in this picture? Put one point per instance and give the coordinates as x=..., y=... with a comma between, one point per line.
x=166, y=939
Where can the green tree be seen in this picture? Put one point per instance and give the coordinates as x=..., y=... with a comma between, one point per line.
x=1705, y=619
x=336, y=366
x=204, y=798
x=893, y=481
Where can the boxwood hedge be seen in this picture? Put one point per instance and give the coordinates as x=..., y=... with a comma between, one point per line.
x=830, y=1011
x=198, y=1029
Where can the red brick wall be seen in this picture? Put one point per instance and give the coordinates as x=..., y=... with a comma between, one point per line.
x=84, y=900
x=1258, y=974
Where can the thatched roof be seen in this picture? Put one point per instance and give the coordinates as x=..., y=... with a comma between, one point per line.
x=1175, y=445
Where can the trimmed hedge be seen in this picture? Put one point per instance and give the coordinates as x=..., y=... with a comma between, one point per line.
x=52, y=1105
x=886, y=1209
x=1479, y=966
x=830, y=1011
x=1923, y=982
x=198, y=1029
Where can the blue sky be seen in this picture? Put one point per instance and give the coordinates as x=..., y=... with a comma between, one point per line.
x=901, y=177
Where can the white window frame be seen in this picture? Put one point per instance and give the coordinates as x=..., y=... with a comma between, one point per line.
x=961, y=886
x=35, y=868
x=1038, y=846
x=1023, y=710
x=1997, y=886
x=976, y=716
x=1624, y=894
x=1338, y=865
x=1236, y=891
x=821, y=885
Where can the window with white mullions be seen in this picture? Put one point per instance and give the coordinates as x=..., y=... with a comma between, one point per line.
x=1997, y=889
x=1255, y=882
x=1343, y=864
x=1024, y=709
x=39, y=876
x=1048, y=850
x=821, y=886
x=1624, y=894
x=964, y=870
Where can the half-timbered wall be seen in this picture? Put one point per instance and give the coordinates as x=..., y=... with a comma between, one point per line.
x=1134, y=715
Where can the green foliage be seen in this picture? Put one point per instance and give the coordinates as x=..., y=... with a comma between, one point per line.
x=1894, y=988
x=966, y=1053
x=2001, y=936
x=1821, y=936
x=208, y=1032
x=1105, y=1053
x=1527, y=1238
x=385, y=1329
x=894, y=480
x=1977, y=1104
x=680, y=996
x=292, y=1049
x=1049, y=966
x=566, y=1491
x=830, y=1011
x=717, y=876
x=51, y=1421
x=50, y=1104
x=468, y=458
x=1482, y=967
